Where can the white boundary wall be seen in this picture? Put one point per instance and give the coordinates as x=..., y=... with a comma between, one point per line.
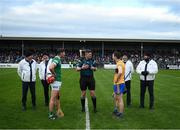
x=173, y=67
x=109, y=66
x=67, y=66
x=170, y=67
x=6, y=65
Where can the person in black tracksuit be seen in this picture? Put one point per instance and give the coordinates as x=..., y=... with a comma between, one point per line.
x=86, y=67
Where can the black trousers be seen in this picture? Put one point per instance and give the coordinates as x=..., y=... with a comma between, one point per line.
x=128, y=87
x=150, y=85
x=46, y=91
x=87, y=82
x=25, y=86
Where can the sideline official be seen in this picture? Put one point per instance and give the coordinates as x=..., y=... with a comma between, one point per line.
x=43, y=71
x=147, y=69
x=129, y=69
x=27, y=72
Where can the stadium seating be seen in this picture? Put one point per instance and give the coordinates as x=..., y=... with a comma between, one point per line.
x=163, y=59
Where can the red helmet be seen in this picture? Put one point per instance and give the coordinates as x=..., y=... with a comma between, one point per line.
x=50, y=79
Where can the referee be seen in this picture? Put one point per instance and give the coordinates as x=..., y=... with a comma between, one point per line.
x=147, y=69
x=86, y=67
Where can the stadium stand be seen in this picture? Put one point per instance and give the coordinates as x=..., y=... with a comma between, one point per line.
x=164, y=52
x=14, y=56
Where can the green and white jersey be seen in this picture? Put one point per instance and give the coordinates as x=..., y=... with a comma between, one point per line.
x=57, y=60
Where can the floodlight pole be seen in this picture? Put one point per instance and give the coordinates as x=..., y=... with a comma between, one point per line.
x=22, y=48
x=63, y=44
x=142, y=50
x=83, y=41
x=102, y=49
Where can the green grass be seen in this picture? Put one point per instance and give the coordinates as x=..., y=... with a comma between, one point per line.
x=165, y=115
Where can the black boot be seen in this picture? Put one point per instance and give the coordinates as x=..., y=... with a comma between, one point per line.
x=83, y=103
x=94, y=103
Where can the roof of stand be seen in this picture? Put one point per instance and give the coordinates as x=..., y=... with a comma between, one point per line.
x=92, y=39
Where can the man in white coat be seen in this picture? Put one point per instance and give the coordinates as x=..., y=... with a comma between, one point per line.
x=43, y=72
x=27, y=72
x=129, y=69
x=147, y=69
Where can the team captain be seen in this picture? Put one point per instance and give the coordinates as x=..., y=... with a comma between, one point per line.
x=119, y=84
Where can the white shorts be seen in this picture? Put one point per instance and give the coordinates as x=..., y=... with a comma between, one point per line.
x=56, y=85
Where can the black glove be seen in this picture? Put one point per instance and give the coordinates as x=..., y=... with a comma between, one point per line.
x=147, y=72
x=144, y=73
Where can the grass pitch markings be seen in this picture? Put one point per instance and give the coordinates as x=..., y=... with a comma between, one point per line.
x=87, y=115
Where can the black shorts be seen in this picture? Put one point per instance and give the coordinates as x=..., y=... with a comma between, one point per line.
x=87, y=82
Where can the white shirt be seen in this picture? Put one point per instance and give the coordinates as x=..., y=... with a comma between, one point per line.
x=42, y=67
x=152, y=68
x=129, y=69
x=24, y=70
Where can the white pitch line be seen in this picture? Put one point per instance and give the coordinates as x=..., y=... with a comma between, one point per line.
x=87, y=115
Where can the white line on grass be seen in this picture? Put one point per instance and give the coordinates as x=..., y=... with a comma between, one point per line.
x=87, y=115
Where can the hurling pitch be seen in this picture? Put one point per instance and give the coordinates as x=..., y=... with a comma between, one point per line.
x=165, y=115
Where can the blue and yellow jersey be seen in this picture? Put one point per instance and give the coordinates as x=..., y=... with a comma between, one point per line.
x=121, y=79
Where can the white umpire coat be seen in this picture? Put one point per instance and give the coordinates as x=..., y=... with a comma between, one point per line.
x=152, y=68
x=24, y=70
x=129, y=69
x=42, y=69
